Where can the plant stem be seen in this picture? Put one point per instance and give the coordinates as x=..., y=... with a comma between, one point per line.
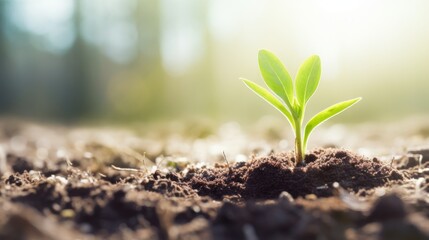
x=298, y=142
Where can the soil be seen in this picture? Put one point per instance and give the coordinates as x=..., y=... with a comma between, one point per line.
x=336, y=194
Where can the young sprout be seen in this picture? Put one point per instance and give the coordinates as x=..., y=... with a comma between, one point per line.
x=292, y=99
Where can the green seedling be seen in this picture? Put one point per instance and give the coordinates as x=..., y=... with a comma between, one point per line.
x=292, y=98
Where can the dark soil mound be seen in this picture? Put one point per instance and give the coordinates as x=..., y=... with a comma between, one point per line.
x=267, y=177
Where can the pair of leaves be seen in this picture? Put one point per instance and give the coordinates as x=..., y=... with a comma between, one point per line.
x=295, y=98
x=279, y=81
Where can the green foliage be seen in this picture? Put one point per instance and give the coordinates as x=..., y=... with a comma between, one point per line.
x=291, y=100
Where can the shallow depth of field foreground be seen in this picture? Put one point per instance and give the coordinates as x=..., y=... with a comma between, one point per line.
x=209, y=182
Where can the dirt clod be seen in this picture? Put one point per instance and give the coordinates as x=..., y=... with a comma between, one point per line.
x=387, y=208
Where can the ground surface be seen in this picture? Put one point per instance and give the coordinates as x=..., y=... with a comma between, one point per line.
x=194, y=181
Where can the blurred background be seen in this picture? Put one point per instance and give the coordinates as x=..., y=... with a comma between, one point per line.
x=129, y=60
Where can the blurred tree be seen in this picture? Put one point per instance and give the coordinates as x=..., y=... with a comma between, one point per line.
x=4, y=68
x=188, y=58
x=75, y=100
x=137, y=90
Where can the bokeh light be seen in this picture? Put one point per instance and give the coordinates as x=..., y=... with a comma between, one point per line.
x=145, y=60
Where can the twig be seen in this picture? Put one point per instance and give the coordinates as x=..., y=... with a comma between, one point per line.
x=125, y=169
x=226, y=160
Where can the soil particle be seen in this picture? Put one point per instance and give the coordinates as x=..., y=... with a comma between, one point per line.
x=423, y=152
x=43, y=196
x=285, y=196
x=168, y=185
x=14, y=180
x=414, y=159
x=387, y=208
x=408, y=162
x=19, y=164
x=168, y=188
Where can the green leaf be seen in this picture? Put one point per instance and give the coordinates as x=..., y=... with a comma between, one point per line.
x=325, y=115
x=307, y=79
x=267, y=96
x=276, y=76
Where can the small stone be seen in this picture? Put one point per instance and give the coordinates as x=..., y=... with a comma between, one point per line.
x=310, y=197
x=285, y=196
x=67, y=213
